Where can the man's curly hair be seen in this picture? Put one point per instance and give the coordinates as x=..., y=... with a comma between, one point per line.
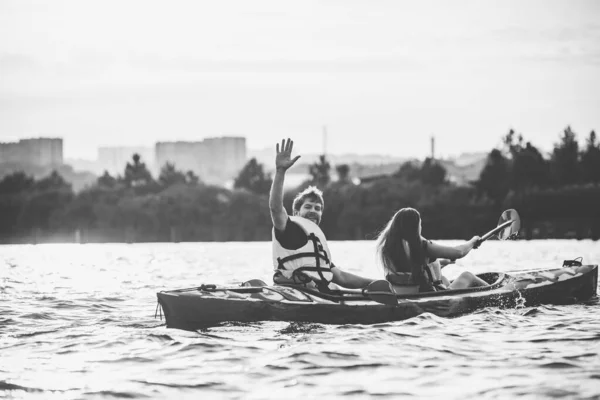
x=313, y=193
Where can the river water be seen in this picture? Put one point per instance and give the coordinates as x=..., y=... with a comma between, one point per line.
x=77, y=321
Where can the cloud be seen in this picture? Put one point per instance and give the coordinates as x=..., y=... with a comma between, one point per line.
x=359, y=63
x=12, y=62
x=572, y=46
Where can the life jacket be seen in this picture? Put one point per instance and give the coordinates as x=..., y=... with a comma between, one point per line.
x=310, y=263
x=433, y=272
x=403, y=283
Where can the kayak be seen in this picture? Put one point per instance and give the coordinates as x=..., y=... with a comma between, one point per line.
x=210, y=305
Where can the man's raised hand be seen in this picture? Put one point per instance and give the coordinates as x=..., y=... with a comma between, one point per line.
x=284, y=159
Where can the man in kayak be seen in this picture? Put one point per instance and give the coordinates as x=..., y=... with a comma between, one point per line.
x=408, y=258
x=300, y=252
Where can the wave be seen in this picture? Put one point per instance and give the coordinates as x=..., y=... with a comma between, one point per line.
x=31, y=334
x=119, y=395
x=11, y=386
x=206, y=385
x=559, y=365
x=37, y=316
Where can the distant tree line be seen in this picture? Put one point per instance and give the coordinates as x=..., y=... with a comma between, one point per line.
x=557, y=197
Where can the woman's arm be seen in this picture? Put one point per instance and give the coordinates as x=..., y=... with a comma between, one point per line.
x=435, y=250
x=444, y=262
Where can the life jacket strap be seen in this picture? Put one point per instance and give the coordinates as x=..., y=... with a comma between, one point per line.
x=281, y=261
x=300, y=278
x=319, y=254
x=319, y=251
x=297, y=279
x=436, y=284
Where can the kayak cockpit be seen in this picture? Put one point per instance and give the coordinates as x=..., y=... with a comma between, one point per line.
x=494, y=280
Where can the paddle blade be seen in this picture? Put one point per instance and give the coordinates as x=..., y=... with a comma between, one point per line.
x=254, y=283
x=508, y=226
x=381, y=292
x=511, y=229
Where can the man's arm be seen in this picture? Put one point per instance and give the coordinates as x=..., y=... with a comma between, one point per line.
x=349, y=280
x=278, y=213
x=283, y=161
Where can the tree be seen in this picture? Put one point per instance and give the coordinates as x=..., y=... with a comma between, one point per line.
x=170, y=176
x=564, y=163
x=50, y=195
x=192, y=178
x=106, y=181
x=590, y=160
x=136, y=174
x=52, y=182
x=432, y=172
x=513, y=144
x=529, y=168
x=429, y=172
x=343, y=172
x=319, y=172
x=526, y=164
x=253, y=178
x=495, y=176
x=409, y=171
x=15, y=183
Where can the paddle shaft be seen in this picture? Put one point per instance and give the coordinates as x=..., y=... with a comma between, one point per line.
x=258, y=289
x=378, y=291
x=493, y=232
x=214, y=288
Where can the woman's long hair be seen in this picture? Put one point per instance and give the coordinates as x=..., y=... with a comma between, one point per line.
x=399, y=245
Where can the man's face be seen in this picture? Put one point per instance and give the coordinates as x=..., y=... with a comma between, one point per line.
x=312, y=210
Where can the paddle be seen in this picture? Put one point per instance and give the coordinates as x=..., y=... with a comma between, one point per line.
x=508, y=226
x=251, y=286
x=381, y=292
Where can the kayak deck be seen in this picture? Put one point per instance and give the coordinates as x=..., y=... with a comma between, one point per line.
x=210, y=305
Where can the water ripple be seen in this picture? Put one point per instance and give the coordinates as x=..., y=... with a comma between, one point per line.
x=9, y=386
x=118, y=395
x=205, y=385
x=88, y=320
x=559, y=365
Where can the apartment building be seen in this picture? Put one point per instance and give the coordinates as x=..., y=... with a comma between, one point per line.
x=214, y=160
x=43, y=152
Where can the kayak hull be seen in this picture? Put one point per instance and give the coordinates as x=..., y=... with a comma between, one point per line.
x=198, y=308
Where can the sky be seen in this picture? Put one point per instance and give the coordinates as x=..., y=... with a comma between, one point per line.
x=381, y=76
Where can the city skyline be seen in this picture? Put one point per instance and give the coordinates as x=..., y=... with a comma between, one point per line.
x=214, y=159
x=147, y=153
x=381, y=77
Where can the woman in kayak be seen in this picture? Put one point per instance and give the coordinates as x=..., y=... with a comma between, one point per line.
x=403, y=251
